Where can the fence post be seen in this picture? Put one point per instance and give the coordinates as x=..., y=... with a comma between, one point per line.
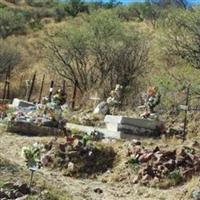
x=8, y=84
x=6, y=90
x=20, y=85
x=74, y=95
x=64, y=86
x=186, y=111
x=51, y=90
x=32, y=86
x=41, y=89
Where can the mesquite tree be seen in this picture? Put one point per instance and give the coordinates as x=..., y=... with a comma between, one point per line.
x=182, y=38
x=9, y=56
x=98, y=53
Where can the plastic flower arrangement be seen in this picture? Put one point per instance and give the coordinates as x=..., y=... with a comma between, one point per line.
x=32, y=156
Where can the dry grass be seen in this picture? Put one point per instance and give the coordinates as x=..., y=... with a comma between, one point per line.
x=13, y=173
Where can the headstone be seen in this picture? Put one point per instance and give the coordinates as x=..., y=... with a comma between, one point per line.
x=21, y=103
x=102, y=108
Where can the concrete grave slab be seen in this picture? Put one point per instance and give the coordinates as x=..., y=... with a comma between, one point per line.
x=89, y=129
x=112, y=121
x=30, y=129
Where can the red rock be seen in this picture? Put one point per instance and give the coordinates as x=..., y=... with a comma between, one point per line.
x=145, y=157
x=170, y=164
x=188, y=173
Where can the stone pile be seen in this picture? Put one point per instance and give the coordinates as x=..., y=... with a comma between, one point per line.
x=78, y=156
x=13, y=191
x=155, y=165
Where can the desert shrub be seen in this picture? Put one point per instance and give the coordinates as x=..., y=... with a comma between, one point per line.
x=41, y=3
x=140, y=12
x=11, y=22
x=9, y=56
x=59, y=13
x=73, y=7
x=182, y=36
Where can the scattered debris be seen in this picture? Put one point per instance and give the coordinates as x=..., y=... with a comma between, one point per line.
x=14, y=191
x=31, y=119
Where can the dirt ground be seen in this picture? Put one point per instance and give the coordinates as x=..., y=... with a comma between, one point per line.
x=84, y=189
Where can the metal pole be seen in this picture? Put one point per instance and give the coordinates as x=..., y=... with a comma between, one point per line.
x=32, y=85
x=41, y=89
x=31, y=180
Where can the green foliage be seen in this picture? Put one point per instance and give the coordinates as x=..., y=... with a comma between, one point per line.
x=175, y=176
x=100, y=45
x=139, y=12
x=41, y=3
x=9, y=56
x=111, y=4
x=181, y=36
x=2, y=6
x=32, y=155
x=73, y=7
x=169, y=3
x=135, y=164
x=11, y=23
x=60, y=13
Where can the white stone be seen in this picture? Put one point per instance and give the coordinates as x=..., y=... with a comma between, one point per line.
x=102, y=108
x=21, y=103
